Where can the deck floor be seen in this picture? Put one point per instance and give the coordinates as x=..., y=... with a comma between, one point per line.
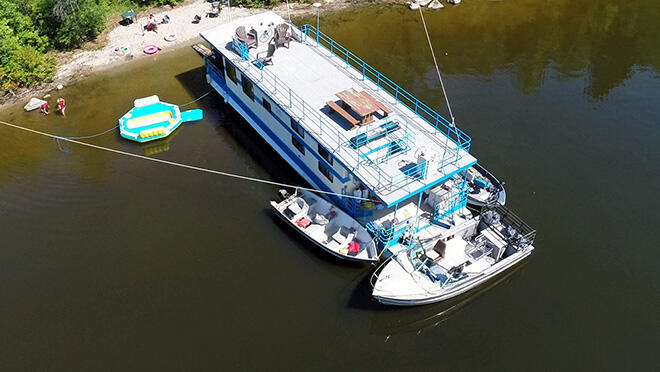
x=316, y=75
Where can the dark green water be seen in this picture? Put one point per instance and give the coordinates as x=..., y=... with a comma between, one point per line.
x=115, y=263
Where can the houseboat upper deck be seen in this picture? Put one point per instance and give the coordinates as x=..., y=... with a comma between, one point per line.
x=385, y=138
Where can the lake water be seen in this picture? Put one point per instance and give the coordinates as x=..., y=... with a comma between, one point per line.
x=115, y=263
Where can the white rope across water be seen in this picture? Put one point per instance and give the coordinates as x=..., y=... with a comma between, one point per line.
x=175, y=164
x=197, y=99
x=437, y=69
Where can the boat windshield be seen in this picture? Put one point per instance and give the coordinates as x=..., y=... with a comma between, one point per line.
x=417, y=256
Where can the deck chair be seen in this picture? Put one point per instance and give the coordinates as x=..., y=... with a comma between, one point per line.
x=267, y=59
x=215, y=9
x=343, y=236
x=249, y=39
x=282, y=35
x=297, y=209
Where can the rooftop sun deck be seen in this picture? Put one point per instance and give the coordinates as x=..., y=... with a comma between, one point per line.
x=402, y=147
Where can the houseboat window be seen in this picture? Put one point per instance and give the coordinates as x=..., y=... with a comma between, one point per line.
x=296, y=127
x=231, y=72
x=247, y=87
x=217, y=61
x=325, y=172
x=325, y=154
x=298, y=145
x=266, y=104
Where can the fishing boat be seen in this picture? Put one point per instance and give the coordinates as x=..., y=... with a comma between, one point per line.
x=418, y=319
x=327, y=226
x=386, y=159
x=150, y=119
x=466, y=256
x=485, y=188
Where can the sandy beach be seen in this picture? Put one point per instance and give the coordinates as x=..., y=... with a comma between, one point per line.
x=123, y=44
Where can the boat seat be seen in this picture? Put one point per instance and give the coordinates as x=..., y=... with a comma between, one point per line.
x=343, y=235
x=335, y=107
x=320, y=219
x=297, y=209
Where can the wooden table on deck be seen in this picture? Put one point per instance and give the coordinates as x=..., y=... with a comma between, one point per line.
x=360, y=102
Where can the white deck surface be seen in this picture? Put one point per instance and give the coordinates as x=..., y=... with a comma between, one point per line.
x=313, y=74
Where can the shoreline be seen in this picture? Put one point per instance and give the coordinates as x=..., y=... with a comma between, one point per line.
x=123, y=44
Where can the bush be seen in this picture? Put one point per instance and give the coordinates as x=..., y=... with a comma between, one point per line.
x=69, y=23
x=26, y=67
x=21, y=46
x=157, y=2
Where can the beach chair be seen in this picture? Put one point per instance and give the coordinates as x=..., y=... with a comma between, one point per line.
x=215, y=9
x=128, y=18
x=282, y=35
x=249, y=39
x=267, y=59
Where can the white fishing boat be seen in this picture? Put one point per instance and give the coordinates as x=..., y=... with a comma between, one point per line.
x=467, y=255
x=484, y=187
x=326, y=226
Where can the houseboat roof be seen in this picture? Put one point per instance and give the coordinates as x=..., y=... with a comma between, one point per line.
x=398, y=147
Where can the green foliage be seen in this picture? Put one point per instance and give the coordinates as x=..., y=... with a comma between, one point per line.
x=255, y=3
x=22, y=62
x=26, y=67
x=69, y=23
x=157, y=2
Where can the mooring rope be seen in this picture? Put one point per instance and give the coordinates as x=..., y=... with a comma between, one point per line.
x=437, y=69
x=93, y=135
x=167, y=162
x=197, y=99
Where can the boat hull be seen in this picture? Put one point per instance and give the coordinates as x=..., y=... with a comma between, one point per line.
x=279, y=209
x=338, y=255
x=507, y=264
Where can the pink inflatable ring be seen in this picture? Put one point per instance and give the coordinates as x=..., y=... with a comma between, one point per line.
x=151, y=49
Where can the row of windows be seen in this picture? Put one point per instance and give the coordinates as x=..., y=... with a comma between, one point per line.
x=248, y=89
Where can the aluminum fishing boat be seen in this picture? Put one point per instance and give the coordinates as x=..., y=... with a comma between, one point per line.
x=327, y=226
x=467, y=255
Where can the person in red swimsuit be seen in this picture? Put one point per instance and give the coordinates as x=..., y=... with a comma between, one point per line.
x=61, y=106
x=44, y=108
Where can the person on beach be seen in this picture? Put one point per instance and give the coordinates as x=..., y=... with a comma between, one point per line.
x=61, y=106
x=44, y=108
x=152, y=24
x=165, y=20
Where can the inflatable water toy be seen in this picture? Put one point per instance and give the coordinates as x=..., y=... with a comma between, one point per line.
x=152, y=119
x=150, y=49
x=170, y=37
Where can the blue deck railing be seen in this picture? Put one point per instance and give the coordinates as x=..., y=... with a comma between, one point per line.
x=320, y=124
x=420, y=108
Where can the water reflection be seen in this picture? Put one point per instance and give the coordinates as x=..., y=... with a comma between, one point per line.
x=393, y=321
x=599, y=40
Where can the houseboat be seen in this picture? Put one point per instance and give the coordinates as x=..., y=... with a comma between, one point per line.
x=384, y=157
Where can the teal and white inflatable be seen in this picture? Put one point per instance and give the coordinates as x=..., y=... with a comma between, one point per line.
x=151, y=119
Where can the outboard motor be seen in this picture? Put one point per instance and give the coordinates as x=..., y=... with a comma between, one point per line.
x=282, y=194
x=488, y=219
